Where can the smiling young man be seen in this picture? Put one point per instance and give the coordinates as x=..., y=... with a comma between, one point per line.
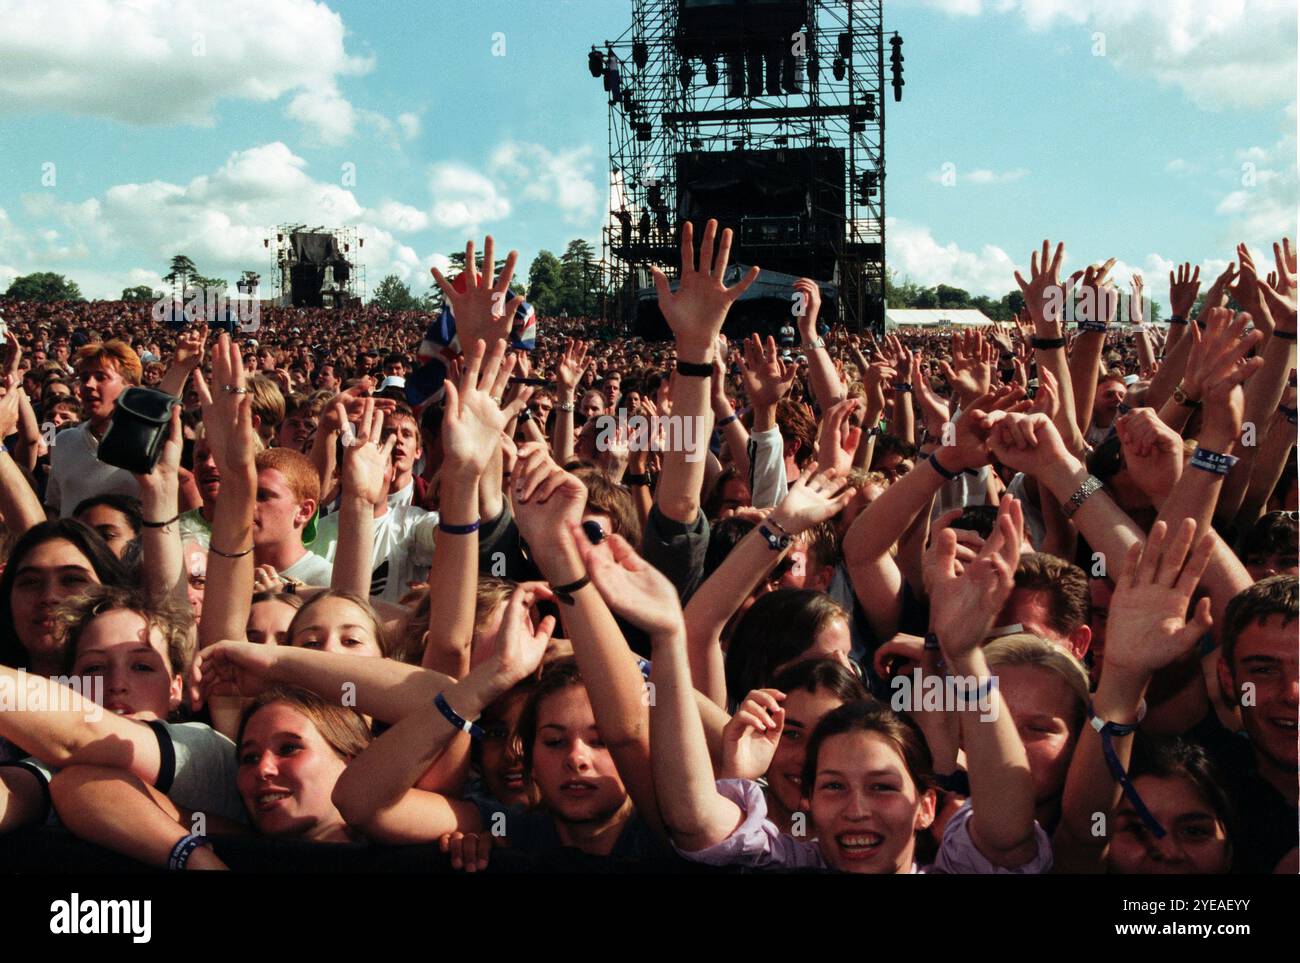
x=288, y=492
x=104, y=370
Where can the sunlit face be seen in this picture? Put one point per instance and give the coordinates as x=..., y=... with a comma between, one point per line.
x=1045, y=711
x=893, y=466
x=407, y=451
x=206, y=474
x=119, y=647
x=336, y=625
x=100, y=385
x=502, y=760
x=574, y=772
x=803, y=710
x=542, y=407
x=1109, y=396
x=865, y=807
x=52, y=572
x=268, y=622
x=592, y=405
x=327, y=379
x=1030, y=608
x=278, y=516
x=1265, y=659
x=297, y=431
x=287, y=773
x=1195, y=841
x=832, y=641
x=112, y=525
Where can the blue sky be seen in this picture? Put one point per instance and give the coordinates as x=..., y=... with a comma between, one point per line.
x=195, y=127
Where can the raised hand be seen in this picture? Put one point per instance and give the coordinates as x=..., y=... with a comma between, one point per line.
x=970, y=448
x=1153, y=452
x=630, y=586
x=1249, y=292
x=472, y=424
x=874, y=379
x=1223, y=367
x=837, y=437
x=12, y=378
x=697, y=309
x=971, y=373
x=572, y=364
x=767, y=378
x=1217, y=296
x=230, y=668
x=1099, y=297
x=1136, y=307
x=1147, y=629
x=228, y=409
x=750, y=739
x=1027, y=442
x=520, y=647
x=817, y=496
x=1279, y=294
x=934, y=410
x=1183, y=288
x=166, y=472
x=1044, y=293
x=545, y=498
x=366, y=463
x=964, y=606
x=481, y=311
x=806, y=322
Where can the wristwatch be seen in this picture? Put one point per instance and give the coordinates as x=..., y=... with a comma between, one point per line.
x=814, y=344
x=565, y=406
x=777, y=543
x=1181, y=398
x=1091, y=485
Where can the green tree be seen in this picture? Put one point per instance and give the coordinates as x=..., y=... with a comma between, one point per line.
x=544, y=283
x=579, y=279
x=199, y=281
x=44, y=286
x=141, y=292
x=393, y=294
x=182, y=270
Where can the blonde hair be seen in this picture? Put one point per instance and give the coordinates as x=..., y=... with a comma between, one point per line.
x=1026, y=649
x=115, y=353
x=268, y=404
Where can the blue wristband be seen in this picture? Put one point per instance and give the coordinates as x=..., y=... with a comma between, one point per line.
x=184, y=849
x=1213, y=461
x=1092, y=326
x=469, y=529
x=450, y=714
x=728, y=420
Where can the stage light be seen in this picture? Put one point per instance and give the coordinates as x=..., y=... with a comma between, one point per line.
x=640, y=54
x=838, y=68
x=595, y=63
x=845, y=44
x=896, y=66
x=685, y=73
x=711, y=71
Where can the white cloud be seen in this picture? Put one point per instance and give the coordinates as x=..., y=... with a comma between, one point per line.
x=463, y=198
x=913, y=252
x=563, y=179
x=410, y=124
x=166, y=61
x=1219, y=53
x=979, y=176
x=218, y=219
x=326, y=112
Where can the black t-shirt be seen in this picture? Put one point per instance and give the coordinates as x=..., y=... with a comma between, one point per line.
x=1266, y=819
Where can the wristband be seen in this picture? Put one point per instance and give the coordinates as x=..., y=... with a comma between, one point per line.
x=728, y=420
x=771, y=520
x=1108, y=730
x=161, y=524
x=693, y=370
x=565, y=406
x=1213, y=461
x=1284, y=335
x=1092, y=326
x=931, y=642
x=814, y=344
x=184, y=849
x=564, y=593
x=450, y=529
x=955, y=782
x=450, y=714
x=777, y=543
x=1047, y=344
x=935, y=464
x=967, y=700
x=632, y=481
x=213, y=548
x=902, y=386
x=1177, y=319
x=1091, y=485
x=525, y=415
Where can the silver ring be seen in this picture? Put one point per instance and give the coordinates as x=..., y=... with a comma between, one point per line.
x=234, y=390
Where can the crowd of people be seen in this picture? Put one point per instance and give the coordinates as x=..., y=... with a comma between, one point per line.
x=1015, y=599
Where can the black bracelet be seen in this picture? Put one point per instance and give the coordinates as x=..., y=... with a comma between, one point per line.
x=174, y=518
x=1284, y=335
x=213, y=548
x=693, y=370
x=633, y=480
x=902, y=387
x=934, y=463
x=1177, y=319
x=955, y=782
x=1047, y=344
x=564, y=593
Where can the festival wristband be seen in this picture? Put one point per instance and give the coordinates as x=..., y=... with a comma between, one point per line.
x=1177, y=319
x=632, y=481
x=1092, y=326
x=184, y=849
x=450, y=714
x=693, y=370
x=1047, y=344
x=902, y=386
x=728, y=420
x=450, y=529
x=955, y=782
x=1108, y=731
x=1212, y=461
x=1284, y=335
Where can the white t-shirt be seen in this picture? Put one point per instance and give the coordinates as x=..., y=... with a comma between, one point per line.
x=76, y=473
x=403, y=552
x=403, y=496
x=311, y=569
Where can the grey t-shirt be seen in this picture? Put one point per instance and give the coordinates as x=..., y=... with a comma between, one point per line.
x=197, y=770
